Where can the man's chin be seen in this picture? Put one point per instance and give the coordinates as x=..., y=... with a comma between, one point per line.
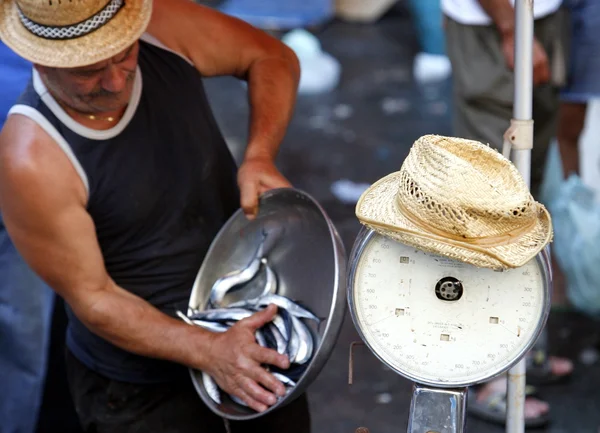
x=106, y=108
x=107, y=104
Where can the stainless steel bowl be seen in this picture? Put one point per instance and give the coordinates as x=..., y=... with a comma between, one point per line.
x=307, y=255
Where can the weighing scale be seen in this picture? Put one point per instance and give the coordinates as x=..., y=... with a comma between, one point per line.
x=447, y=325
x=443, y=324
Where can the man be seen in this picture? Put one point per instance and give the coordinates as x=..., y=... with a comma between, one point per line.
x=480, y=38
x=114, y=179
x=582, y=84
x=25, y=301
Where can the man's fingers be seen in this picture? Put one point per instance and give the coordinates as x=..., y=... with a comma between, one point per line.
x=262, y=355
x=541, y=64
x=274, y=180
x=249, y=199
x=257, y=392
x=257, y=320
x=266, y=379
x=253, y=403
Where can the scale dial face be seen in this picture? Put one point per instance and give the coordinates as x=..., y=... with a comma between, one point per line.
x=441, y=322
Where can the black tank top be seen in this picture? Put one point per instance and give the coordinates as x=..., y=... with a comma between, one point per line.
x=161, y=184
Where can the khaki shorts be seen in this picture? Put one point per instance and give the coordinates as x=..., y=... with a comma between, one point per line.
x=484, y=86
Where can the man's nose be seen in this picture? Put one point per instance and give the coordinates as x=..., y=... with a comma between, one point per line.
x=114, y=79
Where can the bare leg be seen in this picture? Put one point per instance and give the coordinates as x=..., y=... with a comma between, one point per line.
x=571, y=120
x=533, y=407
x=570, y=125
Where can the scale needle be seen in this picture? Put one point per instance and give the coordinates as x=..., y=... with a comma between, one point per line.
x=380, y=320
x=514, y=333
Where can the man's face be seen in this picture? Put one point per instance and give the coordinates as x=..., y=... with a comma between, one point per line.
x=102, y=87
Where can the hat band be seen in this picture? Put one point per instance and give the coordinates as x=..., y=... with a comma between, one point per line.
x=76, y=30
x=486, y=241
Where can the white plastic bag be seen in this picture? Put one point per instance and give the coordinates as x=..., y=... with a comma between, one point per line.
x=576, y=220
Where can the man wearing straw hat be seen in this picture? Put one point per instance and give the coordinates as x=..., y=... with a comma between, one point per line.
x=114, y=179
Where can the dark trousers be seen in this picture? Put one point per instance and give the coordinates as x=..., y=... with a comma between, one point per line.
x=109, y=406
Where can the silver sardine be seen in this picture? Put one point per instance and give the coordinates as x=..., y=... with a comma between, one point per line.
x=305, y=347
x=260, y=338
x=281, y=343
x=282, y=302
x=293, y=345
x=284, y=379
x=236, y=278
x=211, y=388
x=223, y=315
x=211, y=326
x=270, y=281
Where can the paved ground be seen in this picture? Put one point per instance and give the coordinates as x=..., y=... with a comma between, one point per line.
x=361, y=132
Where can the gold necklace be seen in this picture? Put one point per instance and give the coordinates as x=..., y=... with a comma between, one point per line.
x=108, y=119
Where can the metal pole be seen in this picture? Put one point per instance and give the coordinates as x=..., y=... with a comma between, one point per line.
x=521, y=157
x=523, y=96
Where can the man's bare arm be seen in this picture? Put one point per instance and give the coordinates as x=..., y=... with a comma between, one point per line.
x=43, y=205
x=218, y=44
x=502, y=14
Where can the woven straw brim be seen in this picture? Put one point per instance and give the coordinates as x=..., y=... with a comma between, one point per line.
x=109, y=40
x=377, y=209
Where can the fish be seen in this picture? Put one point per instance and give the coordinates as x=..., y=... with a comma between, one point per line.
x=293, y=344
x=305, y=347
x=284, y=379
x=294, y=372
x=211, y=387
x=283, y=322
x=236, y=278
x=269, y=337
x=223, y=314
x=260, y=338
x=270, y=280
x=211, y=326
x=185, y=318
x=281, y=342
x=287, y=332
x=282, y=302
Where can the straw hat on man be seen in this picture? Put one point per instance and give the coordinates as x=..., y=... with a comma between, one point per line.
x=114, y=180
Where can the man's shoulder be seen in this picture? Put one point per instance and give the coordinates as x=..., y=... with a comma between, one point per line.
x=153, y=41
x=31, y=156
x=26, y=147
x=23, y=142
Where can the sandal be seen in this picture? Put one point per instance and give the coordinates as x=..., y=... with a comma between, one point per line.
x=493, y=409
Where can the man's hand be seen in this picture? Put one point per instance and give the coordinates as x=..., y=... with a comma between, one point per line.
x=503, y=16
x=541, y=64
x=257, y=175
x=236, y=358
